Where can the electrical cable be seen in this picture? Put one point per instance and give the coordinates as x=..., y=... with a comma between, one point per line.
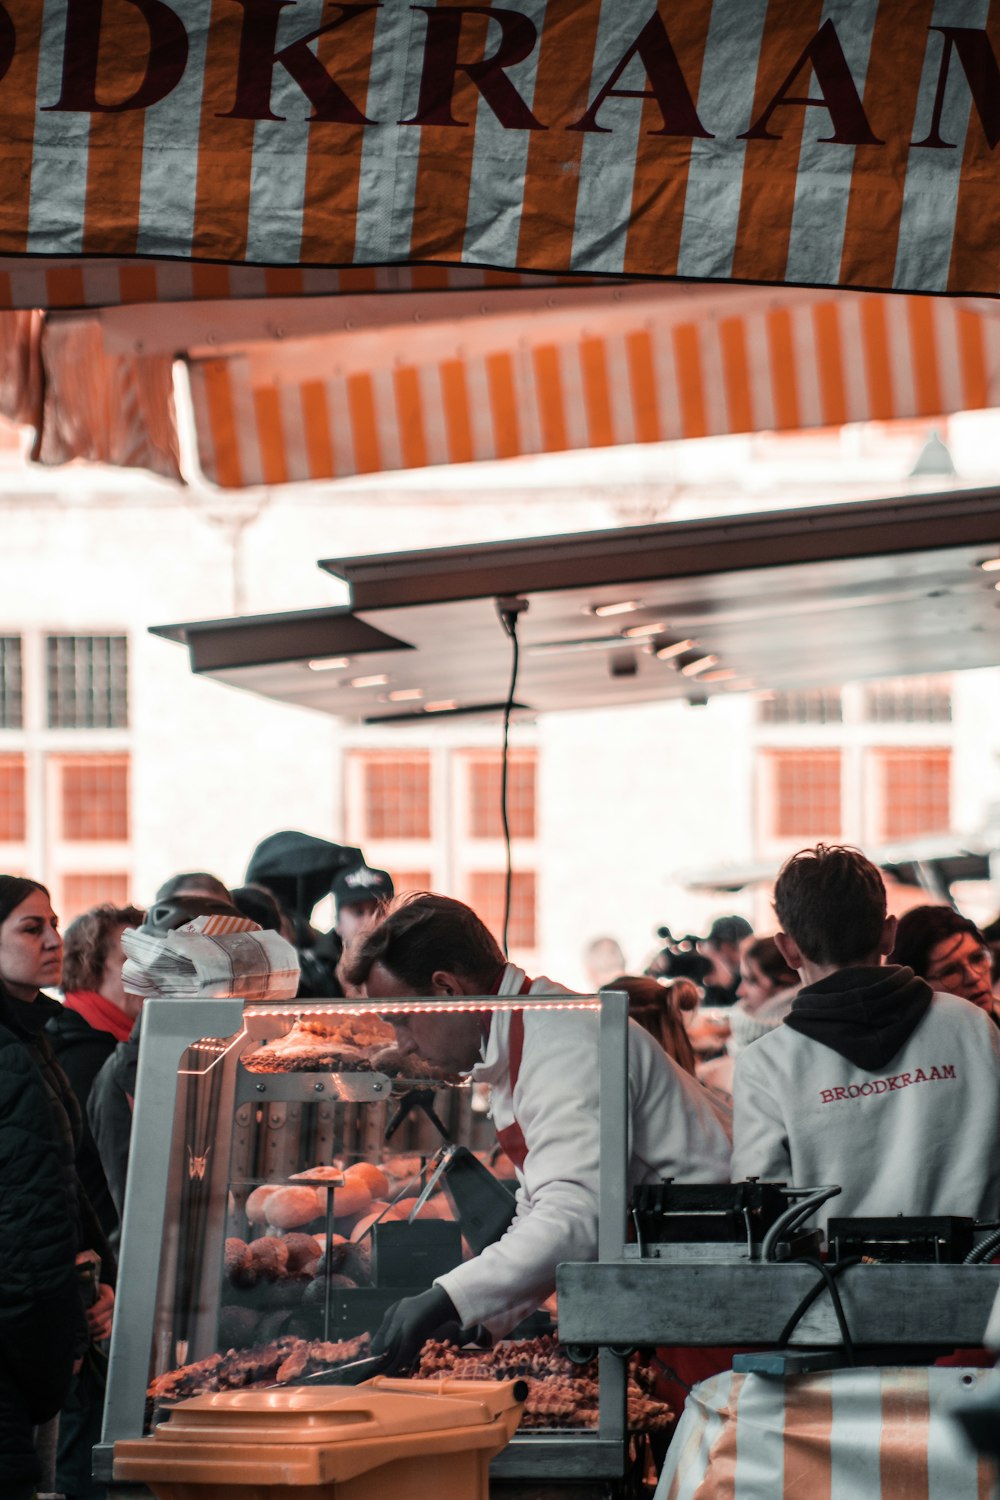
x=985, y=1247
x=827, y=1282
x=811, y=1198
x=508, y=611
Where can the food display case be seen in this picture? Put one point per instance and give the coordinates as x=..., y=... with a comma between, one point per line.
x=293, y=1174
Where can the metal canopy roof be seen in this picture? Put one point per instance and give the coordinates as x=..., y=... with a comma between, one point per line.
x=788, y=599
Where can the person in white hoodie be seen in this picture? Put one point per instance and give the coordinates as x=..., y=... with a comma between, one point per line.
x=542, y=1069
x=873, y=1081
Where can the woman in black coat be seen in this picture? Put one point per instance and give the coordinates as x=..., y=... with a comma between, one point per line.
x=46, y=1221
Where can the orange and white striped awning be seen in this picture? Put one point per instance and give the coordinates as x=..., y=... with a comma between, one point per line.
x=770, y=141
x=415, y=380
x=636, y=372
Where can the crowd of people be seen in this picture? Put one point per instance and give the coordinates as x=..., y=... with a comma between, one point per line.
x=861, y=1052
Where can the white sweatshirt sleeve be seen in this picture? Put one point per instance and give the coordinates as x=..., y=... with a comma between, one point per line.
x=760, y=1133
x=556, y=1105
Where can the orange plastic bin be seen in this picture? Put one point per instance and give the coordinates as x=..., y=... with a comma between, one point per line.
x=383, y=1440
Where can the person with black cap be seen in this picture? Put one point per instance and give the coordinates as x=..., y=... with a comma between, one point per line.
x=46, y=1221
x=297, y=868
x=358, y=894
x=874, y=1081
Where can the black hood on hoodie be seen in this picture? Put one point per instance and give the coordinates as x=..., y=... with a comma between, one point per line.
x=867, y=1013
x=298, y=867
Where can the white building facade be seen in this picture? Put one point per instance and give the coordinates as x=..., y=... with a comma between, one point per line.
x=119, y=768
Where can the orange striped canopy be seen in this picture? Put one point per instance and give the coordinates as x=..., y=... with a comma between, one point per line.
x=323, y=389
x=842, y=145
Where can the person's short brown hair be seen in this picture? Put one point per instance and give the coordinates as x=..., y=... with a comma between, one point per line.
x=86, y=943
x=831, y=901
x=419, y=933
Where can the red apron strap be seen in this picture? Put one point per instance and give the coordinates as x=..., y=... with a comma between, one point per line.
x=511, y=1139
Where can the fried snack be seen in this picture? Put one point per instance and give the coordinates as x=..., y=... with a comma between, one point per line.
x=269, y=1257
x=234, y=1255
x=560, y=1394
x=303, y=1251
x=259, y=1365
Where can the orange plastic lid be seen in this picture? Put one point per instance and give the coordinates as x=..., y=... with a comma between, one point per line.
x=334, y=1413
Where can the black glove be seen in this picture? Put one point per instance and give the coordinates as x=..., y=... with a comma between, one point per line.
x=410, y=1322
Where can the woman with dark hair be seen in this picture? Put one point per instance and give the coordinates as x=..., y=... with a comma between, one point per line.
x=657, y=1008
x=46, y=1222
x=949, y=952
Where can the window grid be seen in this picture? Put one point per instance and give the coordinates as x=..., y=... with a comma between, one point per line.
x=93, y=804
x=806, y=793
x=914, y=791
x=13, y=811
x=485, y=783
x=11, y=683
x=82, y=890
x=87, y=681
x=909, y=700
x=815, y=706
x=397, y=795
x=486, y=897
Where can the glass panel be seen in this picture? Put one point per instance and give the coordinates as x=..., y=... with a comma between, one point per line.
x=318, y=1175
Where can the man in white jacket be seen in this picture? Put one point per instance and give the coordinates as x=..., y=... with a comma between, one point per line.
x=873, y=1081
x=542, y=1068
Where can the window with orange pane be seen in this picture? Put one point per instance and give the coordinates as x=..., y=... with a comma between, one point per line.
x=13, y=818
x=913, y=791
x=485, y=787
x=93, y=798
x=396, y=793
x=82, y=891
x=805, y=793
x=486, y=897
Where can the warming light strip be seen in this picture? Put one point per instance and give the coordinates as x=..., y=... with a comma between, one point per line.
x=424, y=1007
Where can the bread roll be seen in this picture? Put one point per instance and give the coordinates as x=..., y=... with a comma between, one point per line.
x=256, y=1204
x=373, y=1177
x=350, y=1200
x=291, y=1207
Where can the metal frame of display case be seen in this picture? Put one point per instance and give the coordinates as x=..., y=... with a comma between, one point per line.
x=169, y=1028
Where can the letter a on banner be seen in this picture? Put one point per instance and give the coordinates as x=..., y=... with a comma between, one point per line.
x=826, y=57
x=668, y=86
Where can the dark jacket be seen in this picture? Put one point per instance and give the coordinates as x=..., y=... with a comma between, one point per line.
x=41, y=1316
x=109, y=1112
x=81, y=1051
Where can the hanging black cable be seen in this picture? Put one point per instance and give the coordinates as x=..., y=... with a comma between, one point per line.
x=508, y=611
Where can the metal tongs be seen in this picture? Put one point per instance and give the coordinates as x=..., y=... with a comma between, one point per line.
x=352, y=1373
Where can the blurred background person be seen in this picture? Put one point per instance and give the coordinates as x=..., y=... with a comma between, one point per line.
x=96, y=1014
x=112, y=1093
x=298, y=869
x=767, y=987
x=722, y=949
x=257, y=903
x=192, y=883
x=949, y=952
x=603, y=959
x=358, y=893
x=658, y=1009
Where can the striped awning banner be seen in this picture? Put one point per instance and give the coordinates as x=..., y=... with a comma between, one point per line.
x=830, y=143
x=334, y=406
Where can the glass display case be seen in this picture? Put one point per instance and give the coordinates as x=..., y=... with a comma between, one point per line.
x=294, y=1173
